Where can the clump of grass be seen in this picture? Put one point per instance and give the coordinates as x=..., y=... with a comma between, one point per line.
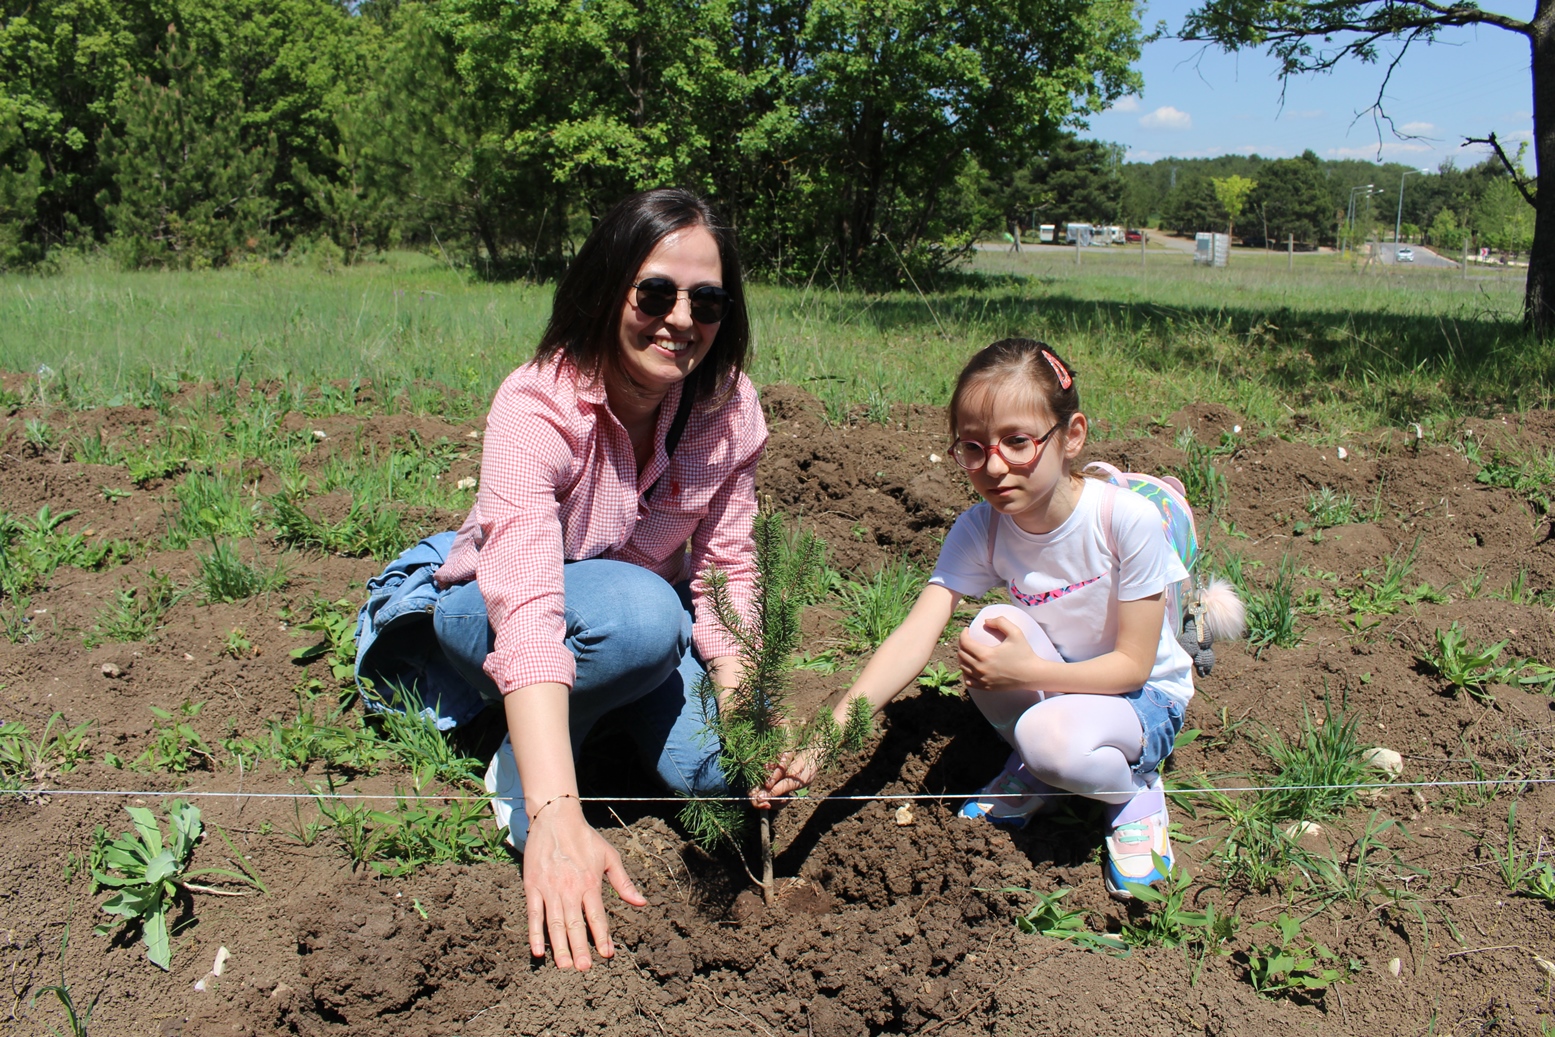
x=175, y=745
x=1205, y=486
x=1291, y=967
x=1271, y=608
x=135, y=613
x=226, y=577
x=1324, y=752
x=1326, y=509
x=1472, y=669
x=872, y=609
x=1386, y=593
x=368, y=530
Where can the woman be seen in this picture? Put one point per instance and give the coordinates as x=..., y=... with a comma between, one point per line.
x=618, y=465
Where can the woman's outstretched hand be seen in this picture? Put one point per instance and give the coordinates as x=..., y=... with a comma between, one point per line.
x=565, y=861
x=792, y=772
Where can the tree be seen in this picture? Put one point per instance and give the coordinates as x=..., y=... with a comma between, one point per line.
x=1445, y=232
x=189, y=194
x=1231, y=192
x=1294, y=199
x=1191, y=206
x=1317, y=35
x=1501, y=220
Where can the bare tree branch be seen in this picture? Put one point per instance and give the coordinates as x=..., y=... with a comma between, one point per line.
x=1518, y=179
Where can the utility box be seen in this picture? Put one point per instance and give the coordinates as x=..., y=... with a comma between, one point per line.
x=1211, y=249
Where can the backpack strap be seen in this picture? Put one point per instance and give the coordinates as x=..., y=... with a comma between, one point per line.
x=672, y=437
x=1107, y=500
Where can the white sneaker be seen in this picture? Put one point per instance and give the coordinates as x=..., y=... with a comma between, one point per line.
x=507, y=795
x=1012, y=798
x=1132, y=849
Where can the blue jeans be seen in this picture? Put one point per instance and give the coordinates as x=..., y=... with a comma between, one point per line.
x=1160, y=719
x=630, y=632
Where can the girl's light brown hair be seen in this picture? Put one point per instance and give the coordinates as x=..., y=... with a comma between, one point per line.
x=1017, y=372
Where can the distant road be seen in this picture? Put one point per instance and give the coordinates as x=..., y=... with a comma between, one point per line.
x=1388, y=253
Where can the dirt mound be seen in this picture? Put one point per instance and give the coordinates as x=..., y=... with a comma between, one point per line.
x=887, y=922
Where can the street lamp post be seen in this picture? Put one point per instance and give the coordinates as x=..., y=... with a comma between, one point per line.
x=1398, y=221
x=1349, y=216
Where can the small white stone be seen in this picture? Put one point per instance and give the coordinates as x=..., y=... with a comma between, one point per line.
x=222, y=954
x=904, y=815
x=1395, y=967
x=1343, y=453
x=1385, y=760
x=1236, y=429
x=1303, y=828
x=467, y=483
x=319, y=433
x=934, y=459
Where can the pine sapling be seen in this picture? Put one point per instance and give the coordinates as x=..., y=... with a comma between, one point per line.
x=751, y=720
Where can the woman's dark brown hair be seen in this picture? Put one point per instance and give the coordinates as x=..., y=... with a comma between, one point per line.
x=586, y=311
x=1020, y=372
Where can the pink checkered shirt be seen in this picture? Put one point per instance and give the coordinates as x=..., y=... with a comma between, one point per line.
x=559, y=482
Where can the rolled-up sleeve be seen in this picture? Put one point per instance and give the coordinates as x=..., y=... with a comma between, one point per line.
x=723, y=538
x=527, y=460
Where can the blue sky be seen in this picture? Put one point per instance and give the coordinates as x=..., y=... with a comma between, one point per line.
x=1202, y=102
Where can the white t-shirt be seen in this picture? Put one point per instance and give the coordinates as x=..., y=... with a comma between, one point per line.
x=1068, y=580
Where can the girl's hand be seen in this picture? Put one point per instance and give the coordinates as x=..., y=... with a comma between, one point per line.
x=564, y=862
x=791, y=772
x=1006, y=666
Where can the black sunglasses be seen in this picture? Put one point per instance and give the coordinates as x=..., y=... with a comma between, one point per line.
x=656, y=296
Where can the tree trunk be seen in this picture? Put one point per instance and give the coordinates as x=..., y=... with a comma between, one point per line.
x=1539, y=297
x=768, y=883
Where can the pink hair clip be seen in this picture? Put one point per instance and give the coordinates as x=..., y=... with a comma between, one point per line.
x=1065, y=380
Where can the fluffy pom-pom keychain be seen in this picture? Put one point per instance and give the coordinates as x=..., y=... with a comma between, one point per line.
x=1216, y=612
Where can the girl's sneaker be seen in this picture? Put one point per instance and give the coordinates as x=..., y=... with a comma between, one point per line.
x=1132, y=846
x=1013, y=798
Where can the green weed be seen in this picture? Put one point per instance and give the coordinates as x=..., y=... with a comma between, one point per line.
x=336, y=620
x=941, y=678
x=226, y=577
x=1530, y=476
x=211, y=507
x=1522, y=870
x=175, y=745
x=135, y=613
x=1386, y=593
x=24, y=759
x=368, y=530
x=237, y=645
x=1466, y=667
x=1289, y=968
x=411, y=735
x=1316, y=767
x=1047, y=917
x=1326, y=509
x=75, y=1018
x=151, y=873
x=1271, y=608
x=1167, y=923
x=415, y=835
x=1206, y=487
x=872, y=610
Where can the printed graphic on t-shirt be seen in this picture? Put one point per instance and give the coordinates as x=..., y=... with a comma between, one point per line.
x=1043, y=597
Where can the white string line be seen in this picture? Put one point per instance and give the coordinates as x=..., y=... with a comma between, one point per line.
x=861, y=798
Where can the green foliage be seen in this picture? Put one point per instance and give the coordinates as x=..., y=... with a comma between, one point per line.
x=175, y=745
x=941, y=678
x=135, y=613
x=1167, y=922
x=872, y=610
x=1324, y=752
x=1291, y=200
x=1473, y=668
x=1290, y=967
x=1522, y=871
x=368, y=530
x=226, y=577
x=32, y=549
x=860, y=725
x=1384, y=594
x=415, y=835
x=1206, y=487
x=1271, y=608
x=148, y=872
x=1328, y=509
x=1231, y=192
x=190, y=192
x=1530, y=476
x=211, y=506
x=336, y=620
x=76, y=1019
x=1047, y=917
x=411, y=734
x=25, y=759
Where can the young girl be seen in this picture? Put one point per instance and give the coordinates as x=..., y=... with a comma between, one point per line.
x=1088, y=627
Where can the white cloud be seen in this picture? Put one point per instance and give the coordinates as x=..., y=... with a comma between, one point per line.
x=1370, y=151
x=1167, y=118
x=1126, y=104
x=1418, y=129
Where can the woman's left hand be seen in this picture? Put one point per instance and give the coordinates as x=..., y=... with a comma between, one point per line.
x=1006, y=666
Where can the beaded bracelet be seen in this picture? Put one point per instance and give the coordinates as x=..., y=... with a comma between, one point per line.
x=536, y=815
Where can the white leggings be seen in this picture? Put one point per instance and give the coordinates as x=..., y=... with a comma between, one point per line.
x=1080, y=743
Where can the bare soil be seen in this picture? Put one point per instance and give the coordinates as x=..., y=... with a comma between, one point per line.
x=881, y=927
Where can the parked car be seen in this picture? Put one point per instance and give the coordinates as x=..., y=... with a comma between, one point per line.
x=1406, y=255
x=1133, y=236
